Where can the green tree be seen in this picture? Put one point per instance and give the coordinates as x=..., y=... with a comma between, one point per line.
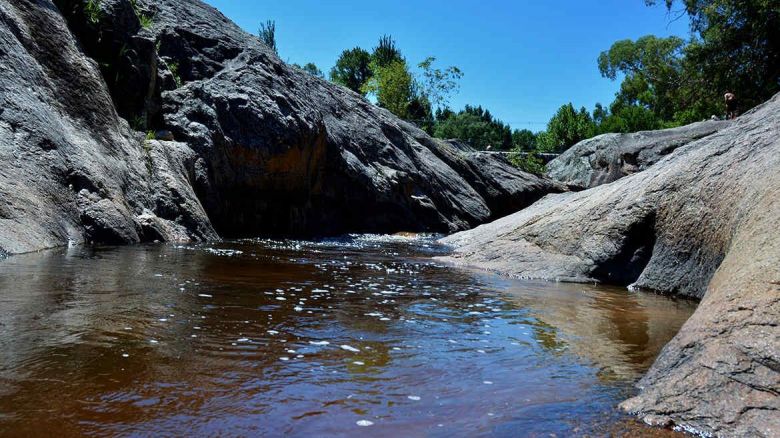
x=523, y=139
x=352, y=69
x=737, y=48
x=311, y=68
x=653, y=69
x=438, y=85
x=475, y=126
x=393, y=87
x=267, y=34
x=566, y=128
x=386, y=52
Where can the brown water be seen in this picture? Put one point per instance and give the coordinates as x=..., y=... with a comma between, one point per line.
x=268, y=338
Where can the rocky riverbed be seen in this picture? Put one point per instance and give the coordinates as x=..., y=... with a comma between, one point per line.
x=250, y=146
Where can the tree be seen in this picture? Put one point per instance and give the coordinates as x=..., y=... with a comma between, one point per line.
x=653, y=69
x=524, y=140
x=386, y=52
x=437, y=85
x=352, y=69
x=737, y=49
x=267, y=34
x=311, y=68
x=393, y=87
x=475, y=126
x=566, y=128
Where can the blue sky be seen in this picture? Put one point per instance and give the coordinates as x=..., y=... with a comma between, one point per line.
x=522, y=59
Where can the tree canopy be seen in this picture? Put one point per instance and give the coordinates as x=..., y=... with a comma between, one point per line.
x=352, y=69
x=267, y=34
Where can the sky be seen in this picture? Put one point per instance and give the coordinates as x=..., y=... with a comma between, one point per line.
x=521, y=59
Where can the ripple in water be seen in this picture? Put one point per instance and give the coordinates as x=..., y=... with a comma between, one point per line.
x=325, y=338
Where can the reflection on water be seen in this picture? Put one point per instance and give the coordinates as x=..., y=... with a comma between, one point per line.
x=329, y=338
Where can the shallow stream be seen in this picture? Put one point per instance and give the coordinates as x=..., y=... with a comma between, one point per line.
x=347, y=337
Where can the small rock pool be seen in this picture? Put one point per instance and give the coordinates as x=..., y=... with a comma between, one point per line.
x=363, y=335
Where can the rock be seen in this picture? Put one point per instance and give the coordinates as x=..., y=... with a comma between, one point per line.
x=264, y=148
x=702, y=222
x=609, y=157
x=164, y=135
x=71, y=170
x=288, y=153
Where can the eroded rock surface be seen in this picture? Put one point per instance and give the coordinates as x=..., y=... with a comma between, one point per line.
x=609, y=157
x=71, y=170
x=251, y=146
x=702, y=222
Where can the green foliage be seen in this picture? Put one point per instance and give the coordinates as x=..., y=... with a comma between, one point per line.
x=437, y=85
x=352, y=69
x=475, y=126
x=524, y=140
x=527, y=161
x=627, y=118
x=146, y=21
x=93, y=11
x=653, y=70
x=138, y=123
x=174, y=68
x=566, y=128
x=393, y=87
x=735, y=47
x=386, y=53
x=267, y=34
x=150, y=135
x=311, y=68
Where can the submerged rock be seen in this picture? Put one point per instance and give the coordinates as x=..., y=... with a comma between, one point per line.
x=609, y=157
x=263, y=148
x=702, y=222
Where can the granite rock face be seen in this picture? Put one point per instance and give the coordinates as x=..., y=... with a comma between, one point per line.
x=71, y=170
x=609, y=157
x=702, y=222
x=245, y=144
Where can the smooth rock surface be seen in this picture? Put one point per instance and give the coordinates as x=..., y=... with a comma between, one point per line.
x=609, y=157
x=245, y=145
x=702, y=222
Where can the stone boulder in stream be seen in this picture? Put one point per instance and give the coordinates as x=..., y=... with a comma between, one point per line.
x=260, y=147
x=703, y=222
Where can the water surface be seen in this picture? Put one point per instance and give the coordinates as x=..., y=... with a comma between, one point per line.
x=365, y=334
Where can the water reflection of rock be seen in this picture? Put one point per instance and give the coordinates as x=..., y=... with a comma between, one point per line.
x=619, y=331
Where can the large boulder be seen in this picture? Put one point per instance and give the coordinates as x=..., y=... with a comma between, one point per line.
x=609, y=157
x=249, y=145
x=290, y=153
x=71, y=170
x=702, y=222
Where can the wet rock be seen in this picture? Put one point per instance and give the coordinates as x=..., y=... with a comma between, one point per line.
x=702, y=222
x=609, y=157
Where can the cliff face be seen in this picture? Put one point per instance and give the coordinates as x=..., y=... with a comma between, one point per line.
x=260, y=147
x=702, y=222
x=70, y=167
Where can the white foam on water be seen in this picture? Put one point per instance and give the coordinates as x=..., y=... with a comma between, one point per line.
x=364, y=423
x=350, y=348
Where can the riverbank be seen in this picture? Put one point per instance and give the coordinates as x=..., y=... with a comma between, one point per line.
x=701, y=222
